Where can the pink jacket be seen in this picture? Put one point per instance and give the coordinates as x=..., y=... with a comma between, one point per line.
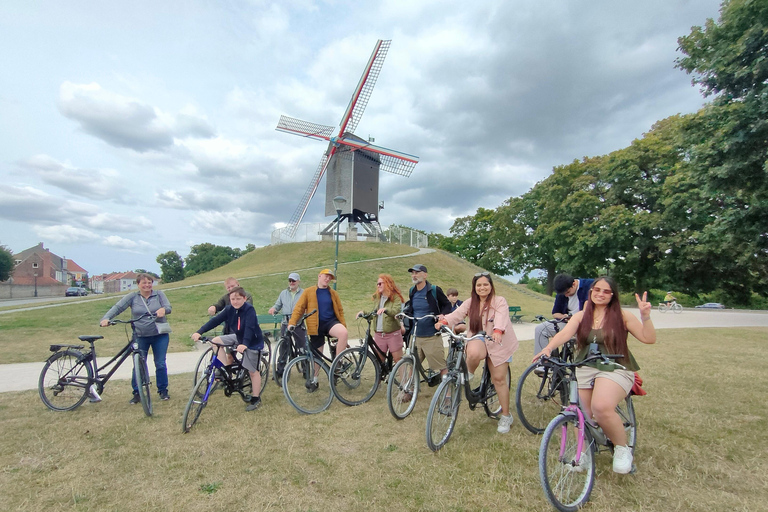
x=497, y=317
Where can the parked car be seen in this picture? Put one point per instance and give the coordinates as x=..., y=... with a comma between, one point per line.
x=710, y=305
x=76, y=291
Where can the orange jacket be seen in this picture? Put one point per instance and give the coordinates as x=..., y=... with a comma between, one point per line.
x=307, y=302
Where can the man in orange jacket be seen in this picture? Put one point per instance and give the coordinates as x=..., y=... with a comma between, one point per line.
x=329, y=320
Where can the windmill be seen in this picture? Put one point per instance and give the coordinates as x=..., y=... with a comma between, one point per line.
x=353, y=164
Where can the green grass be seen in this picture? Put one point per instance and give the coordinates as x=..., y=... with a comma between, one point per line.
x=263, y=273
x=701, y=438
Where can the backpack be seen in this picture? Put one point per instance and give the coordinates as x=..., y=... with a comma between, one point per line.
x=434, y=292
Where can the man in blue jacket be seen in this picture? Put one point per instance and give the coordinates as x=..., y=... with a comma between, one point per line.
x=571, y=296
x=246, y=337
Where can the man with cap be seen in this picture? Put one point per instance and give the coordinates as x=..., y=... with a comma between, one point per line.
x=284, y=305
x=230, y=284
x=329, y=319
x=427, y=299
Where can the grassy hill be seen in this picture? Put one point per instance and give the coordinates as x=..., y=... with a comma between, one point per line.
x=263, y=272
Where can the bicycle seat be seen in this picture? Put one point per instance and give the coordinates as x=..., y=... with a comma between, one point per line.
x=90, y=339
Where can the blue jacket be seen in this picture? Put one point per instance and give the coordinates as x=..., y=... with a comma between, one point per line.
x=561, y=301
x=248, y=333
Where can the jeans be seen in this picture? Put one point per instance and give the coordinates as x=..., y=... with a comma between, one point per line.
x=159, y=344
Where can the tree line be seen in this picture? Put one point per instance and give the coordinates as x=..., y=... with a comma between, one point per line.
x=685, y=207
x=202, y=258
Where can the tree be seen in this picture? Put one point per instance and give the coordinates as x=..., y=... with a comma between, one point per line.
x=144, y=271
x=6, y=263
x=171, y=266
x=729, y=144
x=206, y=257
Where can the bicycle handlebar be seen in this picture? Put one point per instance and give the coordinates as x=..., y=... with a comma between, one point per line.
x=402, y=315
x=462, y=337
x=118, y=321
x=608, y=359
x=303, y=317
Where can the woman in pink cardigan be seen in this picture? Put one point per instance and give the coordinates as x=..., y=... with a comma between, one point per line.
x=490, y=313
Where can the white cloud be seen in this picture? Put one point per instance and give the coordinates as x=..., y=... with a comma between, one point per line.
x=65, y=233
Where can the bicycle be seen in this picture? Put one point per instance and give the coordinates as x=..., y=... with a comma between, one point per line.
x=570, y=441
x=234, y=378
x=542, y=390
x=408, y=374
x=444, y=408
x=357, y=371
x=673, y=306
x=69, y=375
x=306, y=381
x=205, y=360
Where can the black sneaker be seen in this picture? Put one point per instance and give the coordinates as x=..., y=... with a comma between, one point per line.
x=164, y=395
x=255, y=404
x=136, y=399
x=312, y=386
x=342, y=368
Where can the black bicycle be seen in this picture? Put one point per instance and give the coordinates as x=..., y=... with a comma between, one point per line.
x=205, y=359
x=542, y=389
x=444, y=408
x=70, y=375
x=407, y=375
x=233, y=378
x=358, y=371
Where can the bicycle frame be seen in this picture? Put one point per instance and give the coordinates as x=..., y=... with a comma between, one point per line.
x=384, y=360
x=411, y=350
x=457, y=352
x=230, y=374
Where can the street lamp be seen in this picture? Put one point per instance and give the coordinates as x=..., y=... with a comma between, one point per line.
x=35, y=284
x=338, y=203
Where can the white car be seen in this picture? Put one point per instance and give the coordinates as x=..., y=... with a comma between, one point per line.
x=710, y=305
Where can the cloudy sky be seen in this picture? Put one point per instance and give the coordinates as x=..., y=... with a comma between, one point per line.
x=128, y=129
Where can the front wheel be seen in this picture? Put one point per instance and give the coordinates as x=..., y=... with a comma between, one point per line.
x=202, y=364
x=306, y=387
x=403, y=388
x=566, y=480
x=491, y=402
x=442, y=414
x=141, y=374
x=540, y=396
x=197, y=402
x=64, y=381
x=355, y=376
x=677, y=308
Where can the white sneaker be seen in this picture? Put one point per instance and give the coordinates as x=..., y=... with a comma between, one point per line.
x=622, y=460
x=504, y=423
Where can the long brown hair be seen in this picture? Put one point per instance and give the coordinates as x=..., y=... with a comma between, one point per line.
x=475, y=314
x=614, y=329
x=389, y=289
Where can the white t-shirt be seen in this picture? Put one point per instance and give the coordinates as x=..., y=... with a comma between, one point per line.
x=573, y=301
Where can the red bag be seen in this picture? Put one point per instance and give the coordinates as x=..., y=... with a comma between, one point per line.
x=637, y=387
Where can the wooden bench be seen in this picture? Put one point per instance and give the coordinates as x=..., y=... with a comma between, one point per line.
x=514, y=314
x=270, y=324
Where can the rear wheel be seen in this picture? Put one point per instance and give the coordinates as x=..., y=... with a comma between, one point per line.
x=442, y=414
x=491, y=402
x=355, y=376
x=662, y=308
x=64, y=381
x=141, y=374
x=539, y=398
x=197, y=402
x=566, y=480
x=402, y=388
x=626, y=411
x=306, y=388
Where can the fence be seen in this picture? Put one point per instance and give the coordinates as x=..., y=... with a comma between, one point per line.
x=310, y=232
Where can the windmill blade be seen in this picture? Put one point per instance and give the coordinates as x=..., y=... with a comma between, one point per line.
x=304, y=128
x=392, y=161
x=364, y=88
x=293, y=224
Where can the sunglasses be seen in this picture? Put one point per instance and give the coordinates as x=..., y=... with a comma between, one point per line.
x=291, y=280
x=607, y=291
x=483, y=274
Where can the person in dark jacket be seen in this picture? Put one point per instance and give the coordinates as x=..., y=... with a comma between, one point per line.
x=427, y=299
x=570, y=298
x=246, y=336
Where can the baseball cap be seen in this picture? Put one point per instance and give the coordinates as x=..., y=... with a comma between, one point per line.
x=418, y=268
x=327, y=271
x=294, y=276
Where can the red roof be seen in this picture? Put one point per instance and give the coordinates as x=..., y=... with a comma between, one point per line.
x=74, y=267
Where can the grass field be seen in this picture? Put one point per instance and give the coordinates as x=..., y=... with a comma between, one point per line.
x=263, y=272
x=701, y=437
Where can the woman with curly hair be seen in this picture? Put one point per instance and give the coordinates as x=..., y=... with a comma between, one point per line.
x=388, y=300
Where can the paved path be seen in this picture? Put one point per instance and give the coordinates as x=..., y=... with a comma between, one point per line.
x=23, y=376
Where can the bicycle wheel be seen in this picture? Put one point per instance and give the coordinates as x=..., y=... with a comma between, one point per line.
x=442, y=414
x=264, y=369
x=141, y=374
x=202, y=364
x=309, y=391
x=567, y=482
x=356, y=376
x=677, y=308
x=491, y=402
x=197, y=402
x=539, y=398
x=64, y=381
x=626, y=412
x=403, y=388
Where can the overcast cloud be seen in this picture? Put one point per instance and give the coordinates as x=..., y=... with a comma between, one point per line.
x=131, y=129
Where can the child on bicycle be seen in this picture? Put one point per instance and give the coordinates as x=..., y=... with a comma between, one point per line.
x=245, y=335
